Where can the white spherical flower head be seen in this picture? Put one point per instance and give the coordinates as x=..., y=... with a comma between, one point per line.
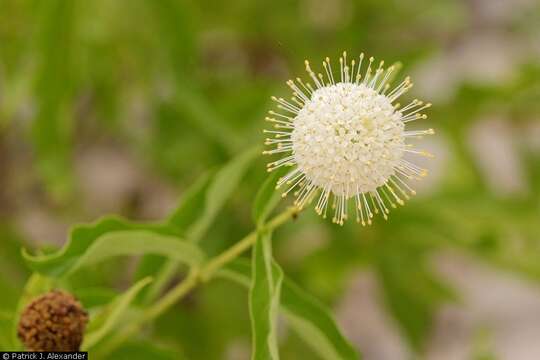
x=346, y=139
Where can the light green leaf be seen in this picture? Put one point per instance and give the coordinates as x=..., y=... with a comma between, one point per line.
x=267, y=198
x=106, y=321
x=305, y=314
x=264, y=295
x=137, y=242
x=81, y=238
x=224, y=183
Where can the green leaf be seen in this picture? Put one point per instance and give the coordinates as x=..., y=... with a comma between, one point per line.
x=196, y=213
x=306, y=315
x=137, y=242
x=106, y=321
x=203, y=201
x=224, y=183
x=264, y=297
x=82, y=237
x=267, y=198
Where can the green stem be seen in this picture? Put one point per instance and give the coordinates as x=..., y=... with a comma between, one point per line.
x=177, y=293
x=195, y=276
x=232, y=253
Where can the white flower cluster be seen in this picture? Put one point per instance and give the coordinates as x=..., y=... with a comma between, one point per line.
x=346, y=139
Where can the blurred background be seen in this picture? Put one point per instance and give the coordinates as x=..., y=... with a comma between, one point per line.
x=112, y=106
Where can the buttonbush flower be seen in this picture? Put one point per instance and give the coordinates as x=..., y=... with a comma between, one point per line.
x=344, y=137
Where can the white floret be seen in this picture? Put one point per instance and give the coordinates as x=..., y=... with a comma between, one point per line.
x=348, y=138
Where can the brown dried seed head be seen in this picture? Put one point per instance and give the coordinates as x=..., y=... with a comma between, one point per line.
x=53, y=322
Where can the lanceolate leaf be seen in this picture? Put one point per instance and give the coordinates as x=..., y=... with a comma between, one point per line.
x=306, y=315
x=264, y=295
x=137, y=242
x=110, y=317
x=82, y=237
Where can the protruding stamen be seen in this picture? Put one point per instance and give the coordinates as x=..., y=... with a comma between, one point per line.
x=312, y=75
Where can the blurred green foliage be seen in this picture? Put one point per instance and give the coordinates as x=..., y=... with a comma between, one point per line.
x=183, y=86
